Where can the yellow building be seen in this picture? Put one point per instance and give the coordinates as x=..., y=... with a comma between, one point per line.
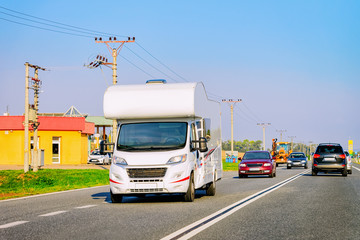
x=63, y=139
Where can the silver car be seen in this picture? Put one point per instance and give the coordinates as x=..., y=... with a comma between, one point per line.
x=348, y=162
x=96, y=158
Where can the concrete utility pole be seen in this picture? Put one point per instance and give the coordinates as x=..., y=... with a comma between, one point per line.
x=26, y=123
x=292, y=138
x=35, y=124
x=34, y=117
x=232, y=103
x=281, y=132
x=103, y=61
x=263, y=125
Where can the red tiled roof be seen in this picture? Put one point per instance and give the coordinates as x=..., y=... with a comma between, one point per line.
x=49, y=124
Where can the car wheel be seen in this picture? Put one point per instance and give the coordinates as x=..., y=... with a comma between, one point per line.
x=344, y=172
x=277, y=164
x=274, y=174
x=190, y=194
x=314, y=173
x=288, y=167
x=271, y=175
x=116, y=198
x=306, y=166
x=241, y=176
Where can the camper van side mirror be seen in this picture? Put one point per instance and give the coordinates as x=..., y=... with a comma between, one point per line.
x=203, y=145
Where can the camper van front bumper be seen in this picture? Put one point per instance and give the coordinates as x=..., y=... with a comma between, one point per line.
x=140, y=180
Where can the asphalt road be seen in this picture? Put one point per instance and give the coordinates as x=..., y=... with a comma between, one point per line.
x=293, y=205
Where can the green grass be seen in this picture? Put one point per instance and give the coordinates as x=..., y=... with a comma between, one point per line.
x=16, y=183
x=230, y=166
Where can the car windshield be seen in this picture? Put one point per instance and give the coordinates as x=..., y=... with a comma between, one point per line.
x=152, y=136
x=329, y=149
x=256, y=155
x=284, y=146
x=297, y=155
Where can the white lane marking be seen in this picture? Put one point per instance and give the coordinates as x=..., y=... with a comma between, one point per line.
x=356, y=168
x=52, y=213
x=200, y=225
x=86, y=206
x=47, y=194
x=13, y=224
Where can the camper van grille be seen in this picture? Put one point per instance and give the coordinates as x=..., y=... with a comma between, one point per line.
x=147, y=190
x=146, y=180
x=146, y=172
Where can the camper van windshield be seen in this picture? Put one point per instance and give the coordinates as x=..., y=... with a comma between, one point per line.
x=152, y=136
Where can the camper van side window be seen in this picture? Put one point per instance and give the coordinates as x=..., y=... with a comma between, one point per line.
x=199, y=129
x=206, y=128
x=193, y=136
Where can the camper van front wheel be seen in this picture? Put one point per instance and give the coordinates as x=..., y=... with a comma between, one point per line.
x=116, y=198
x=211, y=188
x=190, y=194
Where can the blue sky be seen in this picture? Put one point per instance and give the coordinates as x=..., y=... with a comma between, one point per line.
x=295, y=64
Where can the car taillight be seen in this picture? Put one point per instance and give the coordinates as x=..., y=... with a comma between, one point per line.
x=315, y=164
x=316, y=155
x=343, y=156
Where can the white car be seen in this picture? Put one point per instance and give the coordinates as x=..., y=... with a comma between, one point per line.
x=97, y=158
x=348, y=162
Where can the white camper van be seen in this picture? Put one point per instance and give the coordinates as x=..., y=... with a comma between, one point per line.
x=168, y=139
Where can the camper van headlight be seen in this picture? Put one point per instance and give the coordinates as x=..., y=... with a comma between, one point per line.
x=119, y=161
x=177, y=159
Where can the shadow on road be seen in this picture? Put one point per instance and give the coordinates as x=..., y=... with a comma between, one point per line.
x=321, y=174
x=102, y=195
x=149, y=198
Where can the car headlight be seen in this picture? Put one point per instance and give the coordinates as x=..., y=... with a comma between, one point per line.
x=119, y=161
x=303, y=161
x=242, y=165
x=289, y=161
x=267, y=164
x=177, y=159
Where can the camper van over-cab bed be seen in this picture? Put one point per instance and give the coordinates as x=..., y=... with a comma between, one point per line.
x=168, y=139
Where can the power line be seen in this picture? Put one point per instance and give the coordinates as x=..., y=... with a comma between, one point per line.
x=150, y=64
x=251, y=112
x=47, y=29
x=51, y=25
x=161, y=62
x=137, y=67
x=67, y=25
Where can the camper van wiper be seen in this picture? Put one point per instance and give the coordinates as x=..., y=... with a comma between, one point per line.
x=162, y=148
x=125, y=147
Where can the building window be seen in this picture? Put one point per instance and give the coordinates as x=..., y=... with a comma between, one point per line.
x=56, y=150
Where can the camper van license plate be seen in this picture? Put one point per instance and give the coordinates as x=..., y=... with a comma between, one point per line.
x=146, y=185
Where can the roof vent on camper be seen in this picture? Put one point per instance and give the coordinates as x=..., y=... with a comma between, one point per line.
x=162, y=81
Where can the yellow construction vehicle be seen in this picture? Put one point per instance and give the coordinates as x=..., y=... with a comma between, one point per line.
x=280, y=151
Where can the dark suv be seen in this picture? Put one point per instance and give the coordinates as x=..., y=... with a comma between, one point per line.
x=329, y=157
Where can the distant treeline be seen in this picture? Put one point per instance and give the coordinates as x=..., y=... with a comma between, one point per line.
x=242, y=146
x=247, y=145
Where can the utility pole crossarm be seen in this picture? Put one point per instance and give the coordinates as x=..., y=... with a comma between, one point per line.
x=100, y=60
